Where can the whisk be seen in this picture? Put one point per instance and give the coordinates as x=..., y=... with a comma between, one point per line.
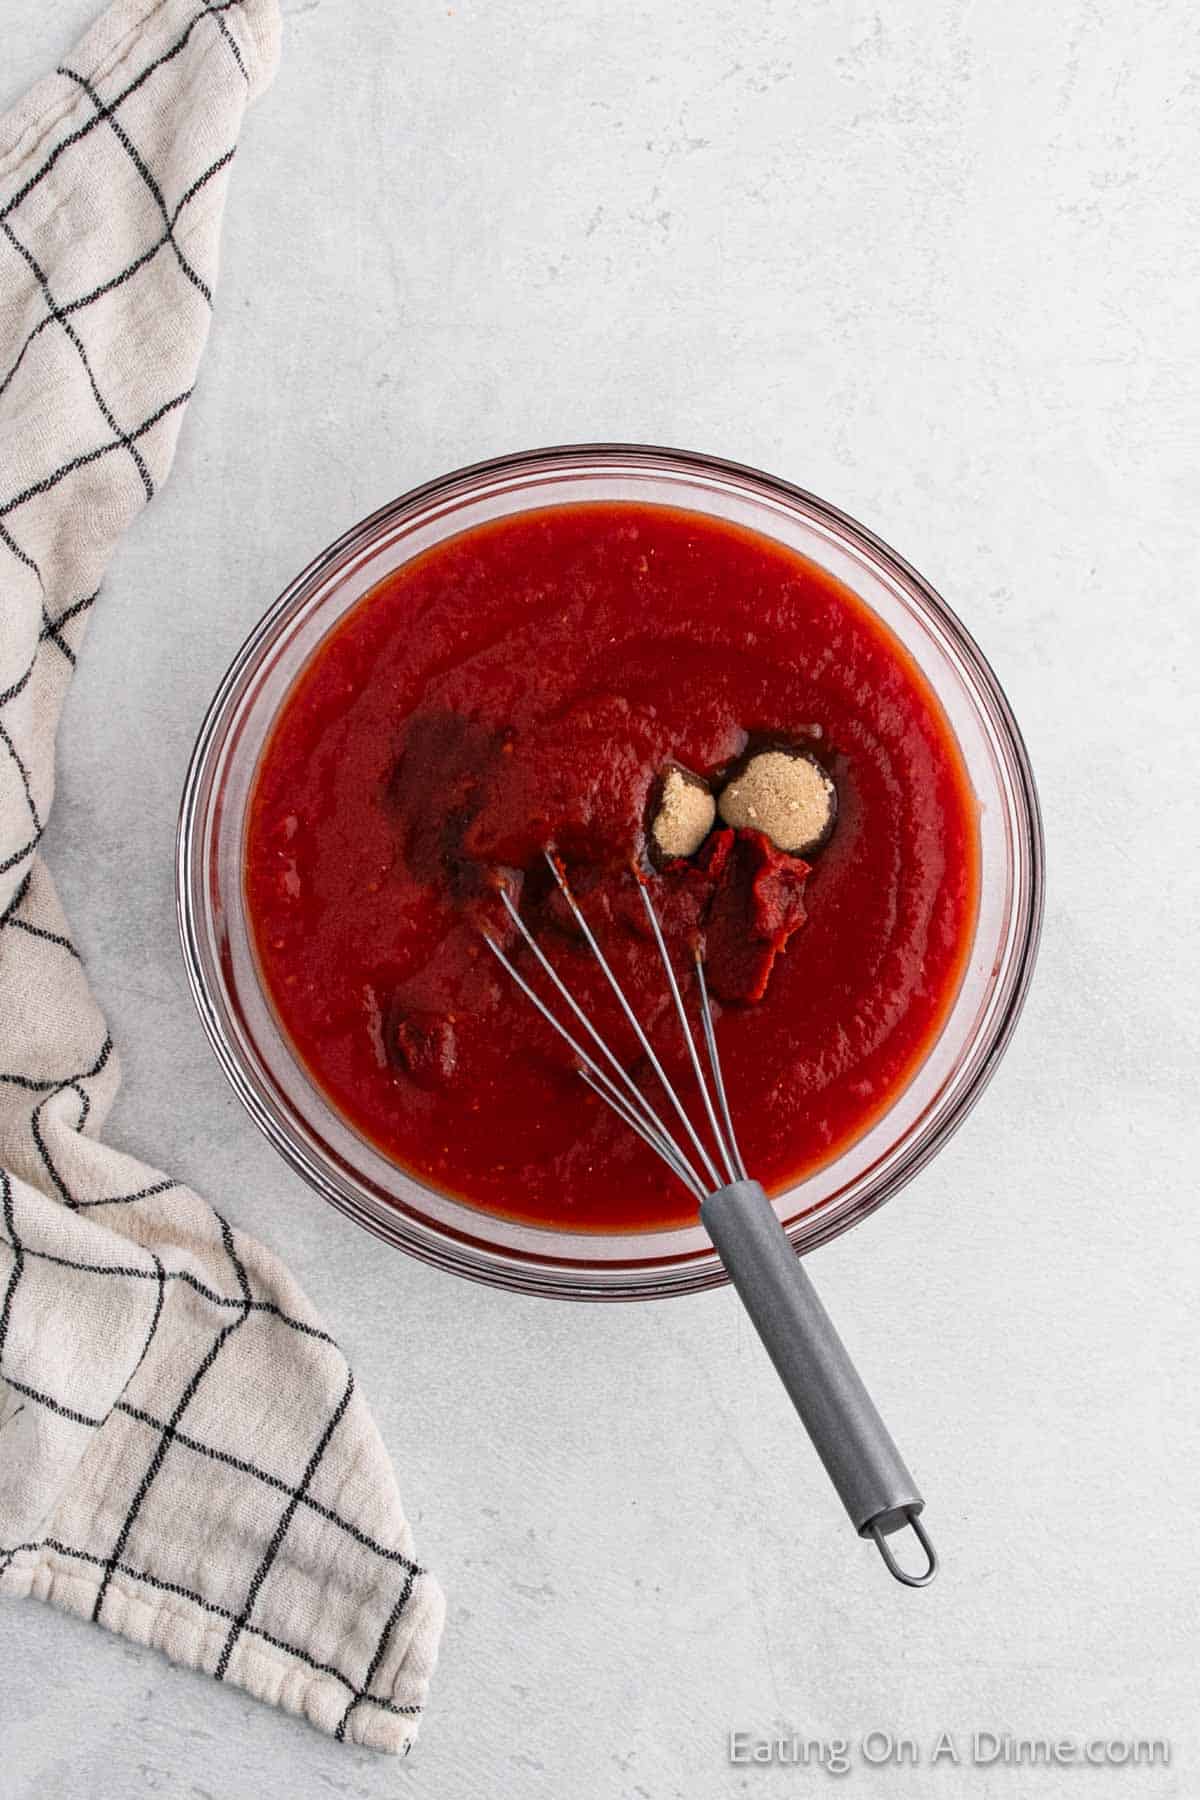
x=851, y=1439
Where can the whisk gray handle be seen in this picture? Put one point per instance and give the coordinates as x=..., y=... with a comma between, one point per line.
x=850, y=1437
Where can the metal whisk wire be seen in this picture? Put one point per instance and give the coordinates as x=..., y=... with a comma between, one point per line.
x=866, y=1468
x=632, y=1106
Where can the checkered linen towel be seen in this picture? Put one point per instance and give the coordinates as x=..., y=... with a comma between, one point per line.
x=183, y=1455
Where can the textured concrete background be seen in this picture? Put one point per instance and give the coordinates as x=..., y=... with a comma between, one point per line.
x=939, y=264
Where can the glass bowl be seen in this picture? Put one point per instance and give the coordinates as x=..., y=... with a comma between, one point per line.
x=273, y=1084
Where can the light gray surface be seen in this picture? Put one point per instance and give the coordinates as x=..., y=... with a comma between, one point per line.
x=937, y=265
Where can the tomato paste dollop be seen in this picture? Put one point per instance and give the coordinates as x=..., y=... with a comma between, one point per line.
x=522, y=688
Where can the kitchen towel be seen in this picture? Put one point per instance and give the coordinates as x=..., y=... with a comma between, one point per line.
x=184, y=1457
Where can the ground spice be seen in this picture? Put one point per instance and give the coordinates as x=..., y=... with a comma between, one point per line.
x=786, y=795
x=685, y=814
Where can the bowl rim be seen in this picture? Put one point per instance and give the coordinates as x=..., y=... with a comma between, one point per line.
x=474, y=1256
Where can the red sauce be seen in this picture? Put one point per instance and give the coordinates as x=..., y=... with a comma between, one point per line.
x=525, y=683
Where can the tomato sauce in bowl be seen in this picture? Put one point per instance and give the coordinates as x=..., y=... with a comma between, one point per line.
x=522, y=685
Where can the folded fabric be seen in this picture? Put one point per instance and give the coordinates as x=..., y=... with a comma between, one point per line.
x=183, y=1454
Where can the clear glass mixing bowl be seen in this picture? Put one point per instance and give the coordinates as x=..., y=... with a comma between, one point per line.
x=272, y=1082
